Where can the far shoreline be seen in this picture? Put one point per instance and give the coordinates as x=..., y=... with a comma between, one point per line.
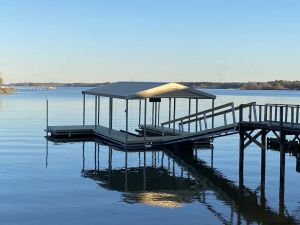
x=269, y=85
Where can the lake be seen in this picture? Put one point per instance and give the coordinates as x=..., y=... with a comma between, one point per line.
x=86, y=183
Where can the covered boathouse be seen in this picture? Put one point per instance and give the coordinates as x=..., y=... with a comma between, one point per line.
x=151, y=98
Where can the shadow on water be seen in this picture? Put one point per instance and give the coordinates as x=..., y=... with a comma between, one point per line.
x=164, y=179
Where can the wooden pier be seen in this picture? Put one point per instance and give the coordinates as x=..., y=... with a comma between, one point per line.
x=255, y=124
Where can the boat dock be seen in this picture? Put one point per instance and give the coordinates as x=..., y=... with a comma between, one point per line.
x=253, y=122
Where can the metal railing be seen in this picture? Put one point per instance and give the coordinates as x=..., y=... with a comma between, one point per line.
x=226, y=115
x=202, y=119
x=277, y=113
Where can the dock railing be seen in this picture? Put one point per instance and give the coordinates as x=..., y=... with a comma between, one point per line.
x=278, y=113
x=201, y=119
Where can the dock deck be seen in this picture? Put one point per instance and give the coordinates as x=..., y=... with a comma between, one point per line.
x=119, y=137
x=115, y=136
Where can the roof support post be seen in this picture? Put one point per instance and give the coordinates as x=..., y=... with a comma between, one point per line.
x=158, y=113
x=95, y=111
x=189, y=126
x=145, y=120
x=196, y=124
x=140, y=110
x=83, y=115
x=174, y=110
x=126, y=121
x=170, y=111
x=213, y=114
x=155, y=113
x=110, y=113
x=98, y=110
x=152, y=113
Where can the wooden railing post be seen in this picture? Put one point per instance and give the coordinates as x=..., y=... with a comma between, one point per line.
x=233, y=113
x=281, y=115
x=225, y=119
x=250, y=113
x=260, y=112
x=297, y=114
x=292, y=115
x=241, y=113
x=254, y=112
x=270, y=114
x=276, y=113
x=286, y=113
x=265, y=113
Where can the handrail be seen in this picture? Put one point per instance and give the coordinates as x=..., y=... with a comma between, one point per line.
x=208, y=116
x=197, y=114
x=222, y=112
x=271, y=113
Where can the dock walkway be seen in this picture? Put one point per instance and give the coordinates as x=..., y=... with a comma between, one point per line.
x=275, y=118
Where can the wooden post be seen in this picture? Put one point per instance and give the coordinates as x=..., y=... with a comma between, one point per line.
x=174, y=114
x=263, y=167
x=152, y=113
x=140, y=110
x=281, y=116
x=266, y=113
x=241, y=156
x=292, y=116
x=98, y=110
x=282, y=156
x=110, y=114
x=83, y=117
x=250, y=113
x=213, y=114
x=286, y=113
x=126, y=121
x=297, y=115
x=158, y=114
x=95, y=155
x=241, y=113
x=189, y=125
x=47, y=116
x=260, y=111
x=155, y=113
x=196, y=124
x=271, y=114
x=145, y=120
x=282, y=170
x=83, y=156
x=169, y=111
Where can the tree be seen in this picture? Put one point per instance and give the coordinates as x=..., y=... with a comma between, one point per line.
x=1, y=79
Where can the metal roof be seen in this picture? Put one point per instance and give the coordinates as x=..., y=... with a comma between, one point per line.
x=142, y=90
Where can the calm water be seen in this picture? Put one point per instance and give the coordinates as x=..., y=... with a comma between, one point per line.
x=87, y=183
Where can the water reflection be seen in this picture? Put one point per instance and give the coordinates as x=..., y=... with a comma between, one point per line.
x=162, y=179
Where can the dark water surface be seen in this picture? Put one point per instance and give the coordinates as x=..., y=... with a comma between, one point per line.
x=87, y=183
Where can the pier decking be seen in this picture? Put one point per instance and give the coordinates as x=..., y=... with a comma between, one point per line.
x=179, y=130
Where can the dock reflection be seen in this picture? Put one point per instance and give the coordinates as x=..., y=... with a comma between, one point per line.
x=162, y=179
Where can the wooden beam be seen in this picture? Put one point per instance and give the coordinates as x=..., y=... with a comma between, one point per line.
x=253, y=139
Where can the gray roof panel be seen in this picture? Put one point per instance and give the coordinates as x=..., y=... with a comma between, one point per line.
x=141, y=90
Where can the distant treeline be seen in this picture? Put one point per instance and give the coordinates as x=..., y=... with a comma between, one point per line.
x=270, y=85
x=53, y=84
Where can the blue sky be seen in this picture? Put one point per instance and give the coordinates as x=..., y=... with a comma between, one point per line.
x=153, y=40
